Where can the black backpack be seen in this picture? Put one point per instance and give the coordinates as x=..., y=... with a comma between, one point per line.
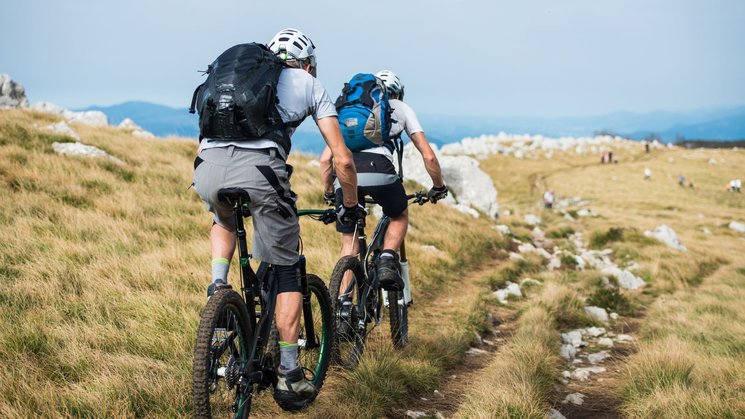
x=238, y=100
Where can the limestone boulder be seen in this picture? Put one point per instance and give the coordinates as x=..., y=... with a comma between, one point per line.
x=468, y=184
x=12, y=94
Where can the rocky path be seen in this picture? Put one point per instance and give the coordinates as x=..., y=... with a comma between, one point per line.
x=591, y=389
x=444, y=401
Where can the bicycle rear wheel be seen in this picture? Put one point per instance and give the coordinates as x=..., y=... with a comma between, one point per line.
x=220, y=358
x=348, y=310
x=398, y=313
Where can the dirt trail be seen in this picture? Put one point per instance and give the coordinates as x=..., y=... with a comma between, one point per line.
x=602, y=391
x=457, y=379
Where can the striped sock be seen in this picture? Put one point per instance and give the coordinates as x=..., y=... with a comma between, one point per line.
x=220, y=270
x=287, y=355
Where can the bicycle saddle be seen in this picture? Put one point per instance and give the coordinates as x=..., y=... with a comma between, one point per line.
x=231, y=195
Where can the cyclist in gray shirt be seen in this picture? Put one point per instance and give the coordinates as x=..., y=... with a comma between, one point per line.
x=259, y=167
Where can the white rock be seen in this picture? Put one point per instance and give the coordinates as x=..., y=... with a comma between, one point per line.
x=93, y=118
x=706, y=230
x=586, y=213
x=573, y=338
x=532, y=219
x=596, y=259
x=127, y=123
x=511, y=289
x=468, y=183
x=608, y=342
x=738, y=227
x=626, y=279
x=624, y=338
x=580, y=262
x=61, y=127
x=666, y=235
x=538, y=234
x=504, y=229
x=583, y=374
x=614, y=316
x=12, y=94
x=568, y=351
x=80, y=149
x=598, y=357
x=555, y=414
x=476, y=351
x=712, y=161
x=597, y=313
x=516, y=256
x=525, y=248
x=594, y=331
x=554, y=263
x=575, y=398
x=566, y=374
x=415, y=414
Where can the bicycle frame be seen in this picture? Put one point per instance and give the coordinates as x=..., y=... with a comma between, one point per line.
x=257, y=290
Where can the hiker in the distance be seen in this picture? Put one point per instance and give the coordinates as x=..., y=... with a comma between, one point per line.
x=548, y=199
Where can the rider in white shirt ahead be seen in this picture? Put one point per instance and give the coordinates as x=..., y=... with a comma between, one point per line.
x=377, y=177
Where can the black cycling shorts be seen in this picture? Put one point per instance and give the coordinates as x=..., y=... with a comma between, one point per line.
x=391, y=197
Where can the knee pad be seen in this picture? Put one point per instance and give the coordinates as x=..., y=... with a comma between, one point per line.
x=287, y=277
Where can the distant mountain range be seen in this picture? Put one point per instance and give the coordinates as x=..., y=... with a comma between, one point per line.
x=717, y=124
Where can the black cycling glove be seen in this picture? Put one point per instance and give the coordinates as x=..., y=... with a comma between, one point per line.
x=349, y=215
x=437, y=193
x=330, y=198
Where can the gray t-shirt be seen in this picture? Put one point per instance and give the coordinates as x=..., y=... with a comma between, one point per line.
x=404, y=120
x=299, y=95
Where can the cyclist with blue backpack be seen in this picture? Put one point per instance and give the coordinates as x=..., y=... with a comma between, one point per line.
x=254, y=98
x=372, y=116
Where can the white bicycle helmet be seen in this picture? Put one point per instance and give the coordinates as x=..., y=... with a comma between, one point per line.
x=291, y=44
x=392, y=82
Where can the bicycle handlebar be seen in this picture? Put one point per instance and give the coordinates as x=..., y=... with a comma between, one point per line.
x=416, y=198
x=326, y=216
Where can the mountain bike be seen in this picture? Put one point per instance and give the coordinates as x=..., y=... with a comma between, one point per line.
x=358, y=301
x=237, y=353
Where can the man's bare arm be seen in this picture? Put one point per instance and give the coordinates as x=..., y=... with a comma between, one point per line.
x=342, y=159
x=429, y=157
x=327, y=175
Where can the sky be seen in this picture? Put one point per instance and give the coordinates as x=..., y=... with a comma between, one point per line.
x=483, y=58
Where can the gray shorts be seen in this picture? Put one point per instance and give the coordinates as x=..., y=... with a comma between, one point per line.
x=276, y=229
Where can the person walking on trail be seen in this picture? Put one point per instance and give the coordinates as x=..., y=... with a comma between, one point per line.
x=548, y=199
x=377, y=178
x=258, y=166
x=647, y=173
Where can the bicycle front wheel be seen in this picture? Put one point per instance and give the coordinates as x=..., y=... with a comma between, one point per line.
x=220, y=358
x=348, y=309
x=398, y=313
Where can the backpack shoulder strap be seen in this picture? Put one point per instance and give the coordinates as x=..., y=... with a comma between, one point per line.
x=399, y=144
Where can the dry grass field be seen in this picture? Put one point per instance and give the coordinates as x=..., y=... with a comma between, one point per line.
x=104, y=266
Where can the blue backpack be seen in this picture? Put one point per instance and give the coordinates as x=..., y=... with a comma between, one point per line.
x=364, y=113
